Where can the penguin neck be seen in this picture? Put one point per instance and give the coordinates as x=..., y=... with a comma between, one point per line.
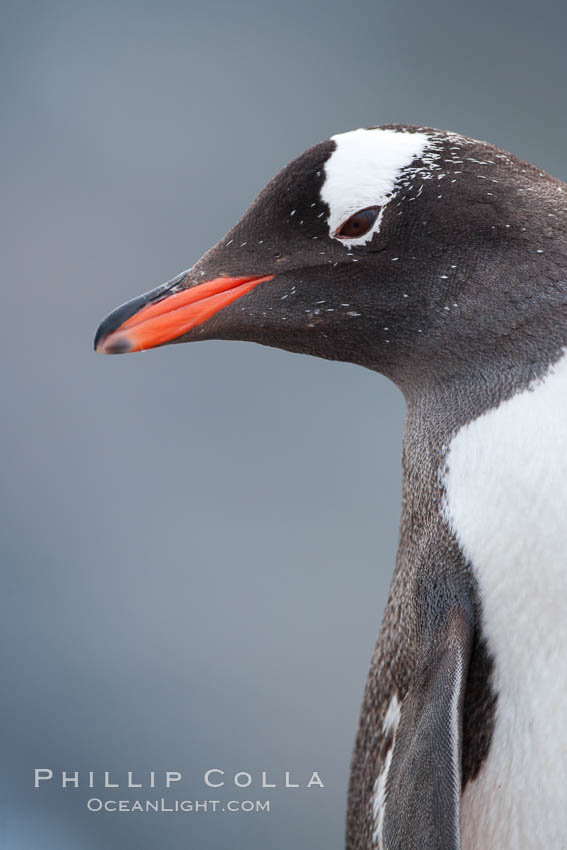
x=508, y=326
x=496, y=353
x=449, y=400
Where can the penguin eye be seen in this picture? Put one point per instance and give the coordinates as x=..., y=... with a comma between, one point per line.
x=358, y=224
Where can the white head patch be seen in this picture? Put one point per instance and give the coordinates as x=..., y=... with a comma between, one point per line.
x=365, y=169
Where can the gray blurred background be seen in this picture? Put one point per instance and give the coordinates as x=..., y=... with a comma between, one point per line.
x=198, y=542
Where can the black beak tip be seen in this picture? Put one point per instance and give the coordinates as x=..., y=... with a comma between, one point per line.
x=113, y=321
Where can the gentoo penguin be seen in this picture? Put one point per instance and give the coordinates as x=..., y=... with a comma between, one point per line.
x=440, y=261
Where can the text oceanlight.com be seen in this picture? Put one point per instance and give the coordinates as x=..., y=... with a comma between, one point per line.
x=164, y=806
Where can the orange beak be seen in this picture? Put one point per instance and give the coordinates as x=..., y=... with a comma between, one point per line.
x=160, y=321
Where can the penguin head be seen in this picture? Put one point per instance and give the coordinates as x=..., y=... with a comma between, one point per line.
x=390, y=247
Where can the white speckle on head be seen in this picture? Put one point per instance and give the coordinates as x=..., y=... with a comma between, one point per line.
x=365, y=170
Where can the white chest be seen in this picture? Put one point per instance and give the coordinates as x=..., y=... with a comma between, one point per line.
x=506, y=500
